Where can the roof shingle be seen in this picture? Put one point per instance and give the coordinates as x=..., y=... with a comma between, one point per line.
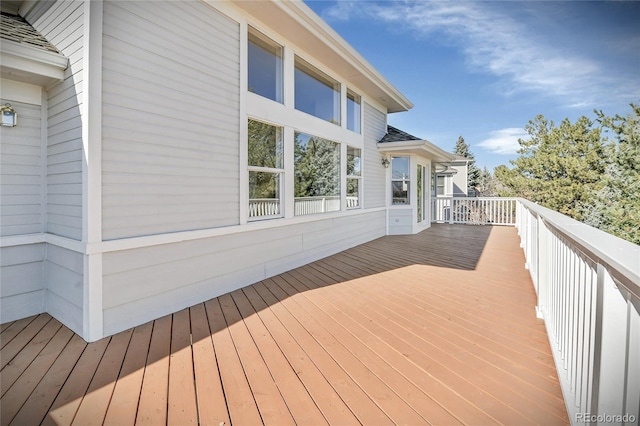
x=397, y=135
x=17, y=29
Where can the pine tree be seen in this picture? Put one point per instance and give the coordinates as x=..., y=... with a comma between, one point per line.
x=558, y=167
x=488, y=185
x=473, y=172
x=616, y=207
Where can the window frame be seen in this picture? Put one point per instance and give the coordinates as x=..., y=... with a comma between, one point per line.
x=286, y=116
x=312, y=209
x=279, y=171
x=323, y=79
x=265, y=43
x=357, y=115
x=405, y=180
x=355, y=177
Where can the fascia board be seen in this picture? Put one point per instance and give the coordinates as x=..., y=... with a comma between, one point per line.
x=19, y=59
x=32, y=54
x=436, y=153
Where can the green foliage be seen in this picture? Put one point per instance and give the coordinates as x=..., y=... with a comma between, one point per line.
x=265, y=148
x=473, y=172
x=616, y=206
x=488, y=185
x=265, y=145
x=317, y=166
x=559, y=167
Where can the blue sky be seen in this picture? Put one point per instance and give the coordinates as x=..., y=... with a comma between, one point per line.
x=482, y=70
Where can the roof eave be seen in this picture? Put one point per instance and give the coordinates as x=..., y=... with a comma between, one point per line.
x=31, y=65
x=420, y=147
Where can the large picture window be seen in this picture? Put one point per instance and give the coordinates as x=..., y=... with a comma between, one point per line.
x=317, y=175
x=354, y=174
x=316, y=93
x=265, y=66
x=400, y=183
x=266, y=168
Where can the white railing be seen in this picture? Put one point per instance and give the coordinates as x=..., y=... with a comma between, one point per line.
x=259, y=207
x=476, y=211
x=264, y=207
x=313, y=205
x=588, y=288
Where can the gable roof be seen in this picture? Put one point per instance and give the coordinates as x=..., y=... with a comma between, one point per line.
x=17, y=29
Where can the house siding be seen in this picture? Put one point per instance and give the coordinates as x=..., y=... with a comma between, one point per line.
x=21, y=172
x=64, y=287
x=62, y=25
x=170, y=118
x=401, y=221
x=142, y=284
x=21, y=281
x=375, y=125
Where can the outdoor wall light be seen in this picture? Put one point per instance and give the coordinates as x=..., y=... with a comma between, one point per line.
x=385, y=162
x=9, y=116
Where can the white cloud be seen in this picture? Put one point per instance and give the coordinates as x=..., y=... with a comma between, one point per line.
x=504, y=141
x=500, y=44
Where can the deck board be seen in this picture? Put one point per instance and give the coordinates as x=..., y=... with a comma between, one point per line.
x=124, y=401
x=434, y=328
x=212, y=408
x=152, y=406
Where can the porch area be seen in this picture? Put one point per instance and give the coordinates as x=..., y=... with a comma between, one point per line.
x=434, y=328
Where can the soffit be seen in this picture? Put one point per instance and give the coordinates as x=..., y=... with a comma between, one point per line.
x=295, y=21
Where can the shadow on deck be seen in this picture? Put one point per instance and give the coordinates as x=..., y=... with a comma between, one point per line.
x=435, y=328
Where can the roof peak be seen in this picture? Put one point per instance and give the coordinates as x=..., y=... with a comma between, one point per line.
x=396, y=135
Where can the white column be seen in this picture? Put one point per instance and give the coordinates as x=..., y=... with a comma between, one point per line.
x=92, y=169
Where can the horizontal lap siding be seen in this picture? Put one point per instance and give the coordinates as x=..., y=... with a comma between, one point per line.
x=375, y=127
x=62, y=25
x=21, y=281
x=21, y=172
x=142, y=284
x=401, y=221
x=170, y=118
x=64, y=293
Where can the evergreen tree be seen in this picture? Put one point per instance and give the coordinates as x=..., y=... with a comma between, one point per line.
x=317, y=167
x=264, y=150
x=488, y=185
x=559, y=167
x=473, y=172
x=616, y=207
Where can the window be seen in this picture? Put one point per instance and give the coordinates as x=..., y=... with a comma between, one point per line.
x=400, y=180
x=265, y=66
x=422, y=181
x=440, y=184
x=317, y=175
x=265, y=159
x=316, y=93
x=353, y=111
x=354, y=173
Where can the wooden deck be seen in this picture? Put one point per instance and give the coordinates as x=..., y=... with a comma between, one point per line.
x=436, y=328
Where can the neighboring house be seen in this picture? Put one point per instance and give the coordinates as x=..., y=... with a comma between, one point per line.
x=459, y=180
x=169, y=152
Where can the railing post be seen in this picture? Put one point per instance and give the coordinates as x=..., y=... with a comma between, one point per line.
x=610, y=348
